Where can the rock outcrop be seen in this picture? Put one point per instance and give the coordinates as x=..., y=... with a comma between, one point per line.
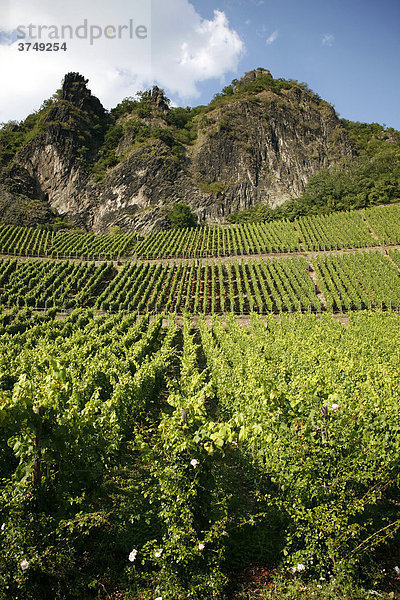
x=128, y=169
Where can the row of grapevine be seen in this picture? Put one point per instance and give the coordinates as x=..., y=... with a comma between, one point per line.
x=349, y=229
x=395, y=257
x=385, y=222
x=85, y=388
x=357, y=281
x=137, y=457
x=335, y=231
x=74, y=244
x=314, y=408
x=259, y=238
x=44, y=284
x=272, y=285
x=352, y=281
x=25, y=240
x=30, y=241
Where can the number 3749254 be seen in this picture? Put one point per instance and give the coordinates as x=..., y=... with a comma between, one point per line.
x=42, y=47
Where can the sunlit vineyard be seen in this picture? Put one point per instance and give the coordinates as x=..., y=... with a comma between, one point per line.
x=385, y=222
x=354, y=229
x=258, y=238
x=45, y=284
x=28, y=241
x=360, y=280
x=25, y=240
x=70, y=244
x=335, y=231
x=215, y=287
x=153, y=461
x=326, y=282
x=260, y=286
x=198, y=407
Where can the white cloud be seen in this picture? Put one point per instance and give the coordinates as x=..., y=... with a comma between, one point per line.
x=327, y=39
x=271, y=39
x=181, y=50
x=195, y=51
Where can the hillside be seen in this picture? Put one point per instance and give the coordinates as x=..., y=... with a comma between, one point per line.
x=260, y=140
x=204, y=413
x=337, y=263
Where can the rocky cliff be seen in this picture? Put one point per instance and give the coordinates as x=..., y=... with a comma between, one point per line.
x=258, y=141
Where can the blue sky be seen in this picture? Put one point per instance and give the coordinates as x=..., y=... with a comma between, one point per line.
x=347, y=51
x=357, y=69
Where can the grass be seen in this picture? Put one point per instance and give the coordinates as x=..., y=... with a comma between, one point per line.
x=262, y=586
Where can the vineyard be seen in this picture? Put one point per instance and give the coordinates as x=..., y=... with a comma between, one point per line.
x=152, y=461
x=28, y=241
x=149, y=457
x=46, y=284
x=335, y=231
x=359, y=281
x=326, y=282
x=352, y=229
x=385, y=223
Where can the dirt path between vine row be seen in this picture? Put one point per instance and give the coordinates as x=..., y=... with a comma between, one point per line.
x=268, y=256
x=244, y=320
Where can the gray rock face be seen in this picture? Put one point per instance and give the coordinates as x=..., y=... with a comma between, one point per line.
x=251, y=148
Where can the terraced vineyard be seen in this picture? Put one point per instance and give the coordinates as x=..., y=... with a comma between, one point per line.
x=358, y=281
x=339, y=284
x=260, y=286
x=317, y=233
x=29, y=241
x=25, y=240
x=45, y=284
x=220, y=282
x=105, y=247
x=117, y=434
x=385, y=222
x=354, y=229
x=335, y=231
x=259, y=238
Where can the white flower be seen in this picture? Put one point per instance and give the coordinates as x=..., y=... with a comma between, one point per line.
x=159, y=598
x=298, y=568
x=224, y=532
x=201, y=546
x=194, y=462
x=334, y=407
x=24, y=565
x=397, y=570
x=2, y=527
x=158, y=553
x=132, y=555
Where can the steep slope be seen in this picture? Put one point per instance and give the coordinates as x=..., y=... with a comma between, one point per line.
x=258, y=141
